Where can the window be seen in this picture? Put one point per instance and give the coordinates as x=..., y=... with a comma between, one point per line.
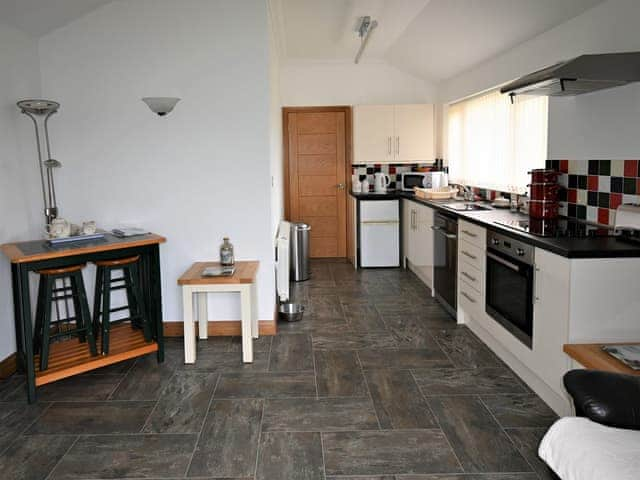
x=493, y=143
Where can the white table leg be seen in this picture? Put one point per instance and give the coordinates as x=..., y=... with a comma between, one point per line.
x=246, y=322
x=203, y=316
x=255, y=329
x=189, y=326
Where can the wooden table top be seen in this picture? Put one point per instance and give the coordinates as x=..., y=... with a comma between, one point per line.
x=245, y=273
x=36, y=250
x=591, y=355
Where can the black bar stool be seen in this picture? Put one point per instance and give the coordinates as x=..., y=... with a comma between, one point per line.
x=130, y=282
x=50, y=293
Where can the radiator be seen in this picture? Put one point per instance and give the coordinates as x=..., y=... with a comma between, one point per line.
x=282, y=260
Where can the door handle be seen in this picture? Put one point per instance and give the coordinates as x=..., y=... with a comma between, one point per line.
x=504, y=262
x=340, y=186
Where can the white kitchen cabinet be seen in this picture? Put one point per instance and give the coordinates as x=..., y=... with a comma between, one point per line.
x=393, y=133
x=418, y=240
x=373, y=131
x=414, y=133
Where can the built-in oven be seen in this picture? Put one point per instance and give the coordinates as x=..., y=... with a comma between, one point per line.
x=509, y=284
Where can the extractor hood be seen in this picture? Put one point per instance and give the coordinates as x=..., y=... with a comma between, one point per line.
x=583, y=74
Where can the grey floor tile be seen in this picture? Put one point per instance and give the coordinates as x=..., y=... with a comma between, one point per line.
x=90, y=387
x=288, y=455
x=291, y=352
x=363, y=318
x=228, y=444
x=479, y=442
x=368, y=477
x=15, y=418
x=403, y=358
x=33, y=457
x=119, y=368
x=183, y=404
x=410, y=331
x=467, y=381
x=465, y=349
x=520, y=410
x=322, y=306
x=11, y=384
x=260, y=344
x=388, y=453
x=224, y=362
x=126, y=456
x=339, y=374
x=315, y=415
x=527, y=441
x=145, y=381
x=266, y=385
x=398, y=401
x=92, y=418
x=487, y=476
x=354, y=341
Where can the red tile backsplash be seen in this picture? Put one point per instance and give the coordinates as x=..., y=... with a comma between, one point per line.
x=593, y=183
x=631, y=168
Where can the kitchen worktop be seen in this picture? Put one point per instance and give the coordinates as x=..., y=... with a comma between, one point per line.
x=595, y=247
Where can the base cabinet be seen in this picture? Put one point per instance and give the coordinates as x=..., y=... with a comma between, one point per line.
x=418, y=240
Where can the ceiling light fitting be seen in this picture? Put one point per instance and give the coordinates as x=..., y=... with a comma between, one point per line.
x=364, y=28
x=161, y=105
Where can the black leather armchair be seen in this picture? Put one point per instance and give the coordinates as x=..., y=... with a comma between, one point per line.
x=611, y=399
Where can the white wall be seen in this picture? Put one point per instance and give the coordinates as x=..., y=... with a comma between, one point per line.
x=20, y=198
x=597, y=125
x=275, y=137
x=340, y=83
x=196, y=175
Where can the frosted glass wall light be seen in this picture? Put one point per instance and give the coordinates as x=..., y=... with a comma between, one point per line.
x=161, y=105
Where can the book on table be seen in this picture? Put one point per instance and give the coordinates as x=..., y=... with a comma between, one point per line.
x=219, y=271
x=627, y=354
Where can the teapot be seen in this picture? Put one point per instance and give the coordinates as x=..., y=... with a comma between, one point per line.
x=58, y=228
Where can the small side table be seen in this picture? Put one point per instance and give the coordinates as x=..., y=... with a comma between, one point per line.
x=243, y=281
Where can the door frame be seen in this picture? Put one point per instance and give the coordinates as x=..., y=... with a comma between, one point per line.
x=348, y=152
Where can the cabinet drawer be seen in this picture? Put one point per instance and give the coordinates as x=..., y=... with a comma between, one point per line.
x=472, y=233
x=470, y=300
x=470, y=275
x=471, y=254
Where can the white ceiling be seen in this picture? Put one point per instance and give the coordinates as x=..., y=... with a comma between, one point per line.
x=433, y=39
x=39, y=17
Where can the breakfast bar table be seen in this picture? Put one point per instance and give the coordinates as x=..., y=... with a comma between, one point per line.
x=243, y=281
x=67, y=358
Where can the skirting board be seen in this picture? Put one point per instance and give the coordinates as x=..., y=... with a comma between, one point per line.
x=8, y=366
x=220, y=328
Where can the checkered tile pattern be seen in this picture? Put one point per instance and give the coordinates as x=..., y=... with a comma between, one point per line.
x=593, y=189
x=391, y=169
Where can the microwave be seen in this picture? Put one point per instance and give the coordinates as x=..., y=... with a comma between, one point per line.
x=409, y=180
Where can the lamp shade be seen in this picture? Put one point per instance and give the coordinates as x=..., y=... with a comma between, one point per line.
x=161, y=105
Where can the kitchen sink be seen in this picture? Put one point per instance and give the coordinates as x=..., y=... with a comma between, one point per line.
x=465, y=207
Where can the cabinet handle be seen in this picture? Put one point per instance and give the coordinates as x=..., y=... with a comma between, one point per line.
x=398, y=145
x=389, y=145
x=473, y=257
x=471, y=234
x=468, y=297
x=413, y=220
x=465, y=274
x=536, y=299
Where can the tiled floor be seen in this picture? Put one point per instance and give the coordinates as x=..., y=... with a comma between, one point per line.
x=376, y=383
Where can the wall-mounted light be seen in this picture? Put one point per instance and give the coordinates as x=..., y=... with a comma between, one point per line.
x=161, y=105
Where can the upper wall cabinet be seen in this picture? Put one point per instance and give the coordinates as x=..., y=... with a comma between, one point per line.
x=393, y=134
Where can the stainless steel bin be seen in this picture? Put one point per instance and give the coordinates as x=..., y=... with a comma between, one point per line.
x=300, y=252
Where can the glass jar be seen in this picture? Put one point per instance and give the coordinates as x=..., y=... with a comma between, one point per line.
x=226, y=253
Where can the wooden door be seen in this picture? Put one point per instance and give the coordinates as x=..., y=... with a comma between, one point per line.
x=373, y=140
x=315, y=161
x=414, y=133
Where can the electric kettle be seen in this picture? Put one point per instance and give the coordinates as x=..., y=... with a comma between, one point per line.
x=380, y=182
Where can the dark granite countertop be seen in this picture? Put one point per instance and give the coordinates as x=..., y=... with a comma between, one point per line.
x=570, y=247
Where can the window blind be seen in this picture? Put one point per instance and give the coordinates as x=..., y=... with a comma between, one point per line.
x=492, y=143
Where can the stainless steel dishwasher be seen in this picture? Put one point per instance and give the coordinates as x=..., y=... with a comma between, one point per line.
x=445, y=257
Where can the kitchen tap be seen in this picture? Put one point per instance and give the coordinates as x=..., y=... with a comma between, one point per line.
x=467, y=193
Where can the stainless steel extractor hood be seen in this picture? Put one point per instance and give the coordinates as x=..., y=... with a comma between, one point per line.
x=583, y=74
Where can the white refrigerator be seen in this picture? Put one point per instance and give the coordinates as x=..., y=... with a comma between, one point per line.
x=379, y=233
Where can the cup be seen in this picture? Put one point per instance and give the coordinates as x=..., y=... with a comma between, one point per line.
x=89, y=228
x=58, y=228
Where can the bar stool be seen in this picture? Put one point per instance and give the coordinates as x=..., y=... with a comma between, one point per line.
x=130, y=282
x=49, y=293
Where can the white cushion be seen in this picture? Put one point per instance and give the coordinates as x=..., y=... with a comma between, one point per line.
x=579, y=449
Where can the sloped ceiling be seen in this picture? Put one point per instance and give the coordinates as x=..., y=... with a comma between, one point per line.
x=432, y=39
x=39, y=17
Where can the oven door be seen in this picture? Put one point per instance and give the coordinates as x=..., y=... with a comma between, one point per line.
x=509, y=294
